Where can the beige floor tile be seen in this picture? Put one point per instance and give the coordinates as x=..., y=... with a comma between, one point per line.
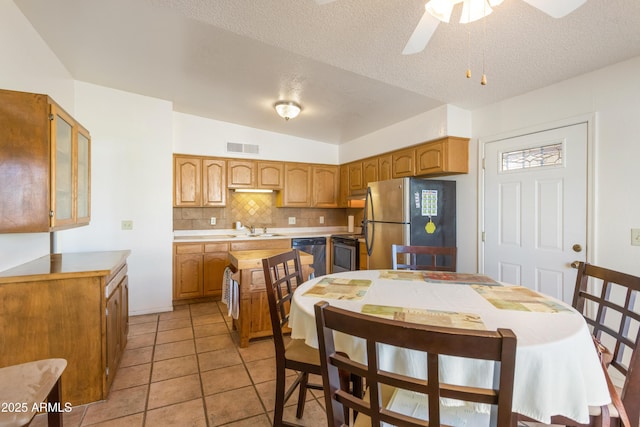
x=262, y=370
x=142, y=328
x=174, y=349
x=175, y=390
x=134, y=420
x=216, y=342
x=218, y=359
x=231, y=406
x=185, y=414
x=209, y=329
x=73, y=418
x=176, y=367
x=314, y=415
x=258, y=349
x=259, y=421
x=207, y=318
x=204, y=308
x=220, y=380
x=120, y=403
x=166, y=325
x=142, y=340
x=179, y=313
x=131, y=376
x=174, y=335
x=143, y=318
x=267, y=391
x=136, y=356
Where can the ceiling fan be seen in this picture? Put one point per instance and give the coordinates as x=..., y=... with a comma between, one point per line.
x=437, y=11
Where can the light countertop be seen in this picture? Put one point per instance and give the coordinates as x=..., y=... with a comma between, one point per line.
x=230, y=235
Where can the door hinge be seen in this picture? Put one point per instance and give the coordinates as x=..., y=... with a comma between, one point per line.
x=483, y=163
x=51, y=117
x=106, y=311
x=483, y=236
x=107, y=371
x=51, y=213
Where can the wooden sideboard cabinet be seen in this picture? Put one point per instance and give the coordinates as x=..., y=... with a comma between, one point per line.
x=72, y=306
x=44, y=165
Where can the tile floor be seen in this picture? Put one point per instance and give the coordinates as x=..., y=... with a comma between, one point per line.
x=184, y=368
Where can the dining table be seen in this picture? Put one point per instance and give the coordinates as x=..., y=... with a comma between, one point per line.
x=557, y=371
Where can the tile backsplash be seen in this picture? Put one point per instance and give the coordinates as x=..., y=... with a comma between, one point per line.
x=259, y=210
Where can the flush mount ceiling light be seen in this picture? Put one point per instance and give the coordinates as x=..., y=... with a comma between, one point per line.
x=287, y=109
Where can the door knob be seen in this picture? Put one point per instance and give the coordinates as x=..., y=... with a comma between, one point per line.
x=575, y=264
x=577, y=248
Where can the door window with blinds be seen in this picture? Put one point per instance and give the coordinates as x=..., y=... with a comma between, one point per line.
x=534, y=157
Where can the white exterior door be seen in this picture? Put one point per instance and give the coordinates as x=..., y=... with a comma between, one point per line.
x=535, y=209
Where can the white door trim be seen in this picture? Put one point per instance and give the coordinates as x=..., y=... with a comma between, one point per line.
x=591, y=121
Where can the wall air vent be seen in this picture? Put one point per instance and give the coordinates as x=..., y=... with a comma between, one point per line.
x=234, y=147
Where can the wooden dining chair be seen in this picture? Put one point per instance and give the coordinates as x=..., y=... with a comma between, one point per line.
x=498, y=346
x=608, y=301
x=282, y=274
x=438, y=258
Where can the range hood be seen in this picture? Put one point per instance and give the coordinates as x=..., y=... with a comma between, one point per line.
x=357, y=199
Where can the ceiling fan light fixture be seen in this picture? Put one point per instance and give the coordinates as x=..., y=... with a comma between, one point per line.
x=472, y=10
x=287, y=109
x=440, y=9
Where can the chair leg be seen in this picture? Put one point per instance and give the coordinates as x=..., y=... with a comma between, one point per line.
x=280, y=398
x=302, y=394
x=54, y=419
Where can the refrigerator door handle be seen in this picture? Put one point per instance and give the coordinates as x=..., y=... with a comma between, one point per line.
x=365, y=223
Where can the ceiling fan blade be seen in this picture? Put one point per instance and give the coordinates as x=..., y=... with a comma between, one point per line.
x=421, y=35
x=556, y=8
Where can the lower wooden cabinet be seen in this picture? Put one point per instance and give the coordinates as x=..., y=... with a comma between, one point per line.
x=198, y=269
x=71, y=306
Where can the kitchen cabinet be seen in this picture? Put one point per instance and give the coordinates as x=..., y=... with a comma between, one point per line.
x=198, y=269
x=364, y=257
x=325, y=186
x=72, y=306
x=356, y=182
x=297, y=186
x=384, y=167
x=403, y=163
x=199, y=181
x=445, y=156
x=343, y=198
x=369, y=171
x=270, y=175
x=44, y=165
x=254, y=319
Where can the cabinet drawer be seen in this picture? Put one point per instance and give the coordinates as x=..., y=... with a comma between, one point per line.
x=216, y=247
x=187, y=248
x=250, y=245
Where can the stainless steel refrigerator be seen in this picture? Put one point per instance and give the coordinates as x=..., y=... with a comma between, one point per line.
x=408, y=211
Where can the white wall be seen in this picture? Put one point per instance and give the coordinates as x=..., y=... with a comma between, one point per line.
x=613, y=93
x=131, y=148
x=207, y=137
x=28, y=66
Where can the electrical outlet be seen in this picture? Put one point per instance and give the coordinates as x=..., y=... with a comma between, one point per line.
x=213, y=220
x=635, y=236
x=321, y=220
x=292, y=220
x=127, y=225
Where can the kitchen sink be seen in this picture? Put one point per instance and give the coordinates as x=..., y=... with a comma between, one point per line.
x=263, y=235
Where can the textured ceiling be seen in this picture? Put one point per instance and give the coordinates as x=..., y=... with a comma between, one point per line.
x=232, y=59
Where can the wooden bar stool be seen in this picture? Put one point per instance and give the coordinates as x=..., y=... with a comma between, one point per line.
x=23, y=389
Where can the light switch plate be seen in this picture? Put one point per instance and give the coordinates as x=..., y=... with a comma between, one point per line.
x=321, y=219
x=635, y=236
x=127, y=225
x=213, y=220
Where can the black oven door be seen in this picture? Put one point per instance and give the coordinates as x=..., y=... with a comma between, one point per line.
x=344, y=257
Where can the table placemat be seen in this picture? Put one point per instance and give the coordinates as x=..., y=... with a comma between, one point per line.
x=336, y=288
x=438, y=277
x=519, y=298
x=448, y=319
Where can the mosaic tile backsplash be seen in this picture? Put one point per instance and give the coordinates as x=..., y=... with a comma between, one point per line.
x=259, y=210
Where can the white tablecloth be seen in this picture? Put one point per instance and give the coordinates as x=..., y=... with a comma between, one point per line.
x=557, y=368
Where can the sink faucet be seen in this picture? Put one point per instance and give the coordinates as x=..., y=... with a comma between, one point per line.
x=252, y=229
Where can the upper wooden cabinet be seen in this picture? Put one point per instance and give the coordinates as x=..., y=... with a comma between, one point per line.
x=270, y=175
x=325, y=186
x=443, y=157
x=403, y=163
x=297, y=186
x=44, y=165
x=384, y=167
x=356, y=182
x=199, y=181
x=369, y=171
x=255, y=174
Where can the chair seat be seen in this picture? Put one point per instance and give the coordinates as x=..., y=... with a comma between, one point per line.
x=300, y=352
x=27, y=385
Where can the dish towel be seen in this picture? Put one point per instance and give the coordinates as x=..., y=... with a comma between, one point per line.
x=230, y=293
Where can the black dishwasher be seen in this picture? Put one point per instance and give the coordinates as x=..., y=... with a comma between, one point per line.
x=316, y=246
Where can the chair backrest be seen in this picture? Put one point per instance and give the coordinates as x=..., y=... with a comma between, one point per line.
x=608, y=301
x=438, y=258
x=282, y=274
x=498, y=346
